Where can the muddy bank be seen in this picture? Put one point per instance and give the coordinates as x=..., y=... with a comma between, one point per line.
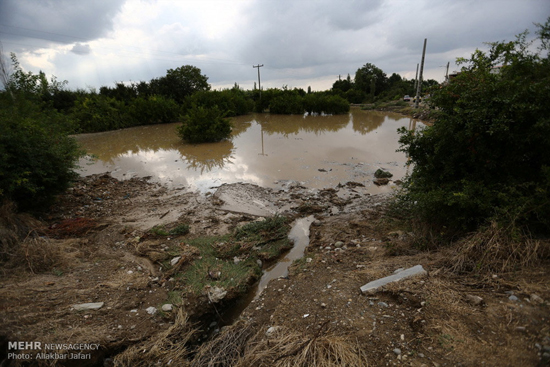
x=123, y=245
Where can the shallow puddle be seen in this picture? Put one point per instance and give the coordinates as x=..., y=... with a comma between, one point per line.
x=267, y=150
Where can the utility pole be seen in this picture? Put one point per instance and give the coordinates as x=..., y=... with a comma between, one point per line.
x=416, y=78
x=259, y=84
x=447, y=73
x=419, y=86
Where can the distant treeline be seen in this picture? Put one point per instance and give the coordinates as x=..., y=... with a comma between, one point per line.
x=170, y=97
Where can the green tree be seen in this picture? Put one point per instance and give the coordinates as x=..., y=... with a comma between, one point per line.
x=180, y=82
x=204, y=125
x=487, y=154
x=370, y=79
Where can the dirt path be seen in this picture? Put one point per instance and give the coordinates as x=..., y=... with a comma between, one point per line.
x=99, y=248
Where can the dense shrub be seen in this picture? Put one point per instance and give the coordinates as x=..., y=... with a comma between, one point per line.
x=202, y=125
x=153, y=110
x=37, y=157
x=487, y=154
x=234, y=101
x=96, y=113
x=325, y=103
x=287, y=103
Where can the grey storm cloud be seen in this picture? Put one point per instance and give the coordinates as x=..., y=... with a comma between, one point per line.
x=81, y=49
x=59, y=21
x=298, y=41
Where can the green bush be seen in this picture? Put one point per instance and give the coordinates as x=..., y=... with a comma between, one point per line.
x=202, y=125
x=96, y=113
x=153, y=110
x=486, y=157
x=234, y=101
x=288, y=103
x=37, y=157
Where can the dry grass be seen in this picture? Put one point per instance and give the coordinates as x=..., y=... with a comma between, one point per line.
x=169, y=347
x=226, y=349
x=498, y=249
x=285, y=348
x=20, y=244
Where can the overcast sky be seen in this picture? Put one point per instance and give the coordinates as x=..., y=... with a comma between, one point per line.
x=301, y=43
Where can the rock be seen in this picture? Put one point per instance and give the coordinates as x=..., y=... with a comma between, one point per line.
x=380, y=181
x=216, y=294
x=397, y=351
x=373, y=286
x=474, y=300
x=215, y=274
x=323, y=305
x=88, y=306
x=383, y=304
x=513, y=298
x=317, y=223
x=380, y=173
x=151, y=310
x=536, y=299
x=175, y=260
x=167, y=307
x=339, y=244
x=271, y=331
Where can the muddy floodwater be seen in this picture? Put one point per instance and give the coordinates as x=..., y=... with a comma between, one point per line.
x=267, y=150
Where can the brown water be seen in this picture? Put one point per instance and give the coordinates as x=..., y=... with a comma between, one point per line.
x=268, y=150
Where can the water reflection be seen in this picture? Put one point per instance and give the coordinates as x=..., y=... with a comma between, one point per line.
x=206, y=157
x=320, y=151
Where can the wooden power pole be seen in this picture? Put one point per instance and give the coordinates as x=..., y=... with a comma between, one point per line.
x=259, y=83
x=419, y=86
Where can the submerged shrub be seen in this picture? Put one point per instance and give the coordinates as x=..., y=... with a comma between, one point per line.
x=202, y=125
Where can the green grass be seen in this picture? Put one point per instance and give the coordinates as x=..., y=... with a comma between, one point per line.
x=264, y=240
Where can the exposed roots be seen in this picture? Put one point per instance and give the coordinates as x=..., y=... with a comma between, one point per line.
x=169, y=347
x=497, y=248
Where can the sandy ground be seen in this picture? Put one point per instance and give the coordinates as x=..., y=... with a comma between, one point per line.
x=96, y=246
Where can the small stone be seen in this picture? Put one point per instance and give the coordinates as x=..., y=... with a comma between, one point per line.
x=474, y=300
x=175, y=260
x=216, y=294
x=397, y=351
x=521, y=328
x=513, y=298
x=383, y=304
x=323, y=305
x=421, y=355
x=167, y=307
x=306, y=315
x=272, y=330
x=151, y=310
x=309, y=259
x=88, y=306
x=339, y=244
x=236, y=260
x=317, y=223
x=536, y=299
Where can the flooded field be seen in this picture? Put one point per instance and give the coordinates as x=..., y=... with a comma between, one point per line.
x=267, y=150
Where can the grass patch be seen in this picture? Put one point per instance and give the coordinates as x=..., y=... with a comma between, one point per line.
x=230, y=262
x=161, y=231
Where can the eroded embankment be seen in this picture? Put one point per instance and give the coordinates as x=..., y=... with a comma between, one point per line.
x=142, y=253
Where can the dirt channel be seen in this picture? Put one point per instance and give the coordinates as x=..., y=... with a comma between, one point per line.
x=117, y=244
